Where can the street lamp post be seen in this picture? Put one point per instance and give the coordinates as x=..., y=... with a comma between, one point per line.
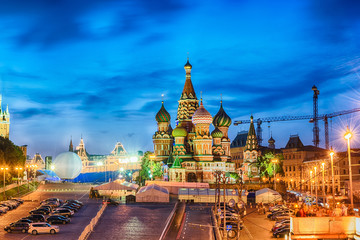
x=274, y=161
x=18, y=173
x=347, y=136
x=316, y=195
x=323, y=181
x=332, y=175
x=311, y=188
x=4, y=169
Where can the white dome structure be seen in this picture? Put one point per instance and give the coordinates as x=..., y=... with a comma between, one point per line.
x=67, y=165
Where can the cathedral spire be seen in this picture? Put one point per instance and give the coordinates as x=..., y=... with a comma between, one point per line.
x=188, y=91
x=71, y=147
x=251, y=142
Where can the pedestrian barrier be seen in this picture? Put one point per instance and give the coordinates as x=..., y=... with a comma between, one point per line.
x=168, y=222
x=90, y=227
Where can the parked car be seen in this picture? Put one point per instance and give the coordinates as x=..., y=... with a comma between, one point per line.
x=281, y=232
x=57, y=219
x=62, y=212
x=110, y=202
x=36, y=218
x=74, y=201
x=3, y=210
x=42, y=227
x=39, y=211
x=286, y=222
x=25, y=220
x=69, y=207
x=17, y=227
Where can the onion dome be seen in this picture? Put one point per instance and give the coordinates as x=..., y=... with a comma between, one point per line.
x=217, y=133
x=179, y=131
x=162, y=115
x=221, y=119
x=271, y=140
x=201, y=115
x=188, y=65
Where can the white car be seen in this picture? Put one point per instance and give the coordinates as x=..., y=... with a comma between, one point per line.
x=42, y=227
x=60, y=208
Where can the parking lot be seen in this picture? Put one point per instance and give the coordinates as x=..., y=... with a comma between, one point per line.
x=256, y=226
x=61, y=191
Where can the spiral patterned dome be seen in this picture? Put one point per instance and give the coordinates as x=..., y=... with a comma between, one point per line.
x=179, y=132
x=221, y=119
x=162, y=115
x=202, y=116
x=217, y=133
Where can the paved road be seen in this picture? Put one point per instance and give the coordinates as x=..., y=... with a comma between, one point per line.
x=197, y=224
x=70, y=231
x=256, y=226
x=135, y=221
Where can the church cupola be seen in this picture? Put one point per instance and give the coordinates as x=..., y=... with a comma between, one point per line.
x=221, y=119
x=271, y=142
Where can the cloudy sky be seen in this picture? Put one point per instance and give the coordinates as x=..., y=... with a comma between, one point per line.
x=98, y=68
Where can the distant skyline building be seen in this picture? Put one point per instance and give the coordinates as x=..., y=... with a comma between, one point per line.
x=4, y=121
x=117, y=160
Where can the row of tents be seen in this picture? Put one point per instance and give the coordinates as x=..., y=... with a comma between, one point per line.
x=156, y=193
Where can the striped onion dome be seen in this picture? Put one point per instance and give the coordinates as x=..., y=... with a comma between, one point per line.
x=179, y=131
x=162, y=115
x=221, y=119
x=201, y=115
x=217, y=133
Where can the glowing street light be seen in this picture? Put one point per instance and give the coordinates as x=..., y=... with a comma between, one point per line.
x=332, y=175
x=4, y=169
x=18, y=171
x=316, y=195
x=311, y=182
x=347, y=136
x=52, y=167
x=274, y=161
x=323, y=181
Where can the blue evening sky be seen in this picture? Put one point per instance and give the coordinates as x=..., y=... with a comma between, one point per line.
x=98, y=68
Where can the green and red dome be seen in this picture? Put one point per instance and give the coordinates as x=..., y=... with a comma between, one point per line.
x=162, y=115
x=221, y=119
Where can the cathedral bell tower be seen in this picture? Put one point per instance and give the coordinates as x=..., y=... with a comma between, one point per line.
x=162, y=138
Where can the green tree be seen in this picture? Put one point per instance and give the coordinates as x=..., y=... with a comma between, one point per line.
x=145, y=171
x=11, y=156
x=156, y=169
x=266, y=166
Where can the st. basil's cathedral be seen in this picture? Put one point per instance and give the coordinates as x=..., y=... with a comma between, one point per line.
x=190, y=151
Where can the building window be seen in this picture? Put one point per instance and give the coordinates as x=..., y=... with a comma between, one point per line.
x=294, y=168
x=286, y=169
x=344, y=171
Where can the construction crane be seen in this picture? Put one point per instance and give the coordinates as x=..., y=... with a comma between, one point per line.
x=316, y=139
x=324, y=117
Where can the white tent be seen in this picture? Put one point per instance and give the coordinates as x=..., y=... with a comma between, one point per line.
x=267, y=195
x=206, y=195
x=152, y=193
x=117, y=188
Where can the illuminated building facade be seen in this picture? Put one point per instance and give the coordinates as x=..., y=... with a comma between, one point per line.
x=4, y=121
x=197, y=152
x=117, y=160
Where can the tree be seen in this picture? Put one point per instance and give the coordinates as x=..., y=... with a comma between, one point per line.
x=145, y=168
x=11, y=156
x=156, y=169
x=266, y=166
